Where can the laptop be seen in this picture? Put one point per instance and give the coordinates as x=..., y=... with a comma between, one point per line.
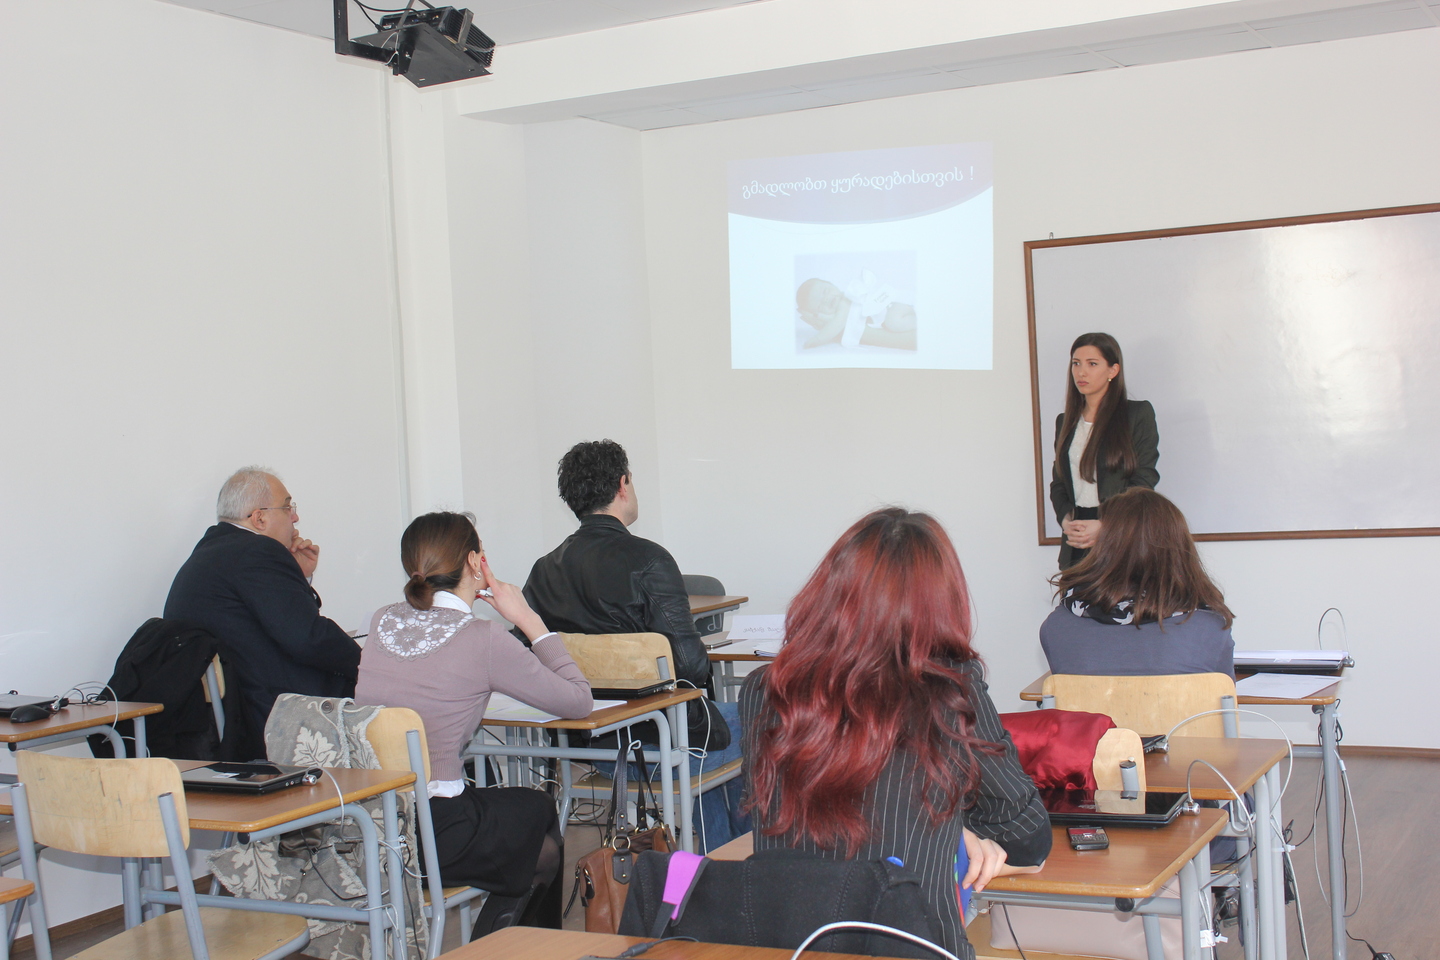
x=11, y=701
x=1110, y=807
x=253, y=778
x=606, y=688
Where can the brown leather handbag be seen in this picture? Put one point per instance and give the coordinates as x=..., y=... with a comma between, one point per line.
x=602, y=878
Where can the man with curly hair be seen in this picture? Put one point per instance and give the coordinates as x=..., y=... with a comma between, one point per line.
x=604, y=579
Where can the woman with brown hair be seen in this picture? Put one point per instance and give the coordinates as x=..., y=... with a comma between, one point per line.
x=1141, y=603
x=872, y=734
x=429, y=653
x=1104, y=443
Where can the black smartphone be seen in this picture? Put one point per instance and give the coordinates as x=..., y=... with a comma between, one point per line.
x=1088, y=838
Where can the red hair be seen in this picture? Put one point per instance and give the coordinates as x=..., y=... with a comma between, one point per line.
x=864, y=672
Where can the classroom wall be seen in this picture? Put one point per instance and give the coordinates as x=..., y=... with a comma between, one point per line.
x=762, y=469
x=553, y=340
x=194, y=254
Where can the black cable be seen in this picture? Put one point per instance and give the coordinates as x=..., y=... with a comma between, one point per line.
x=1005, y=908
x=639, y=948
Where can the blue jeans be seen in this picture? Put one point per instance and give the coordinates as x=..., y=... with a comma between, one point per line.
x=717, y=813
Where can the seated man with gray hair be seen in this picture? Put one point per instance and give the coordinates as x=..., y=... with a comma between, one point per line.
x=248, y=583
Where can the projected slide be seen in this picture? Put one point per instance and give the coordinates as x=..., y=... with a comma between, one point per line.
x=875, y=258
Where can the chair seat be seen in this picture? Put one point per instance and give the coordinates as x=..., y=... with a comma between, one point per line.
x=14, y=889
x=450, y=892
x=230, y=935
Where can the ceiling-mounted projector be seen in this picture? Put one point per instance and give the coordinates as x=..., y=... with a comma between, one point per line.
x=426, y=47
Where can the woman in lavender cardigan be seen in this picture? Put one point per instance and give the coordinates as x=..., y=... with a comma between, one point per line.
x=430, y=654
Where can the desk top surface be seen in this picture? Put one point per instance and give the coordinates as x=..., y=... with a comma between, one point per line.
x=609, y=715
x=1242, y=761
x=1321, y=697
x=241, y=813
x=79, y=716
x=1138, y=863
x=532, y=943
x=705, y=603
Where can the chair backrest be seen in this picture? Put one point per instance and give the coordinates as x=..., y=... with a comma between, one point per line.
x=105, y=808
x=1118, y=745
x=387, y=735
x=619, y=656
x=698, y=585
x=1147, y=705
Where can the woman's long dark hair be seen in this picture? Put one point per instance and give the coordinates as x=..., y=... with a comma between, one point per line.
x=434, y=549
x=869, y=667
x=1145, y=554
x=1110, y=446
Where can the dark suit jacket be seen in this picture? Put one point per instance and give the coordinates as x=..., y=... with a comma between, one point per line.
x=247, y=590
x=1146, y=439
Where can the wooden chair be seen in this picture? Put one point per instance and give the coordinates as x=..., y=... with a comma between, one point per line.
x=698, y=585
x=136, y=808
x=398, y=736
x=620, y=656
x=10, y=891
x=1150, y=705
x=1117, y=746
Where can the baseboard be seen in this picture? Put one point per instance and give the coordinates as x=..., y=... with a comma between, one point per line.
x=1405, y=753
x=80, y=924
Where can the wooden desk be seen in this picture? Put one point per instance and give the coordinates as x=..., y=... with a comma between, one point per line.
x=668, y=712
x=82, y=719
x=702, y=605
x=239, y=813
x=1326, y=703
x=727, y=656
x=1242, y=761
x=532, y=943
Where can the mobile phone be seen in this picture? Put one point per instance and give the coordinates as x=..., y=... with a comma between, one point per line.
x=1088, y=838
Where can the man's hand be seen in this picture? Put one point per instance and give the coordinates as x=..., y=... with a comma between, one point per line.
x=987, y=858
x=306, y=553
x=1081, y=534
x=510, y=603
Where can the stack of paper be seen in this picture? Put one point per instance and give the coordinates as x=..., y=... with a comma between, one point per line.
x=1283, y=686
x=503, y=709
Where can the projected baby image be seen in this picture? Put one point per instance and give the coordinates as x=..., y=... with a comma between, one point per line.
x=852, y=301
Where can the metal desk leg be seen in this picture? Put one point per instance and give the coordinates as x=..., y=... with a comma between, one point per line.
x=397, y=875
x=130, y=891
x=1274, y=822
x=1154, y=939
x=680, y=720
x=142, y=748
x=1334, y=825
x=1190, y=912
x=154, y=879
x=1245, y=847
x=30, y=870
x=566, y=784
x=1265, y=874
x=667, y=782
x=727, y=679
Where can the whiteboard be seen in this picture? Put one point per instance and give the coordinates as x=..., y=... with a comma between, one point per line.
x=1294, y=366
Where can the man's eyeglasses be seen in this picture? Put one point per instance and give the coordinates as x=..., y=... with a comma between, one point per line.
x=288, y=507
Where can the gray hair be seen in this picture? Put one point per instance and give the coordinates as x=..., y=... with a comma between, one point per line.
x=247, y=490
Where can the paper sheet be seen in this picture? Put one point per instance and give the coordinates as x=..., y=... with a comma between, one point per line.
x=757, y=626
x=762, y=648
x=1282, y=686
x=501, y=709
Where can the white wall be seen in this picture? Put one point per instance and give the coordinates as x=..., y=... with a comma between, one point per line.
x=197, y=276
x=762, y=469
x=552, y=322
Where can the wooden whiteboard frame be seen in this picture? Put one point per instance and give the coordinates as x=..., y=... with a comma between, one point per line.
x=1044, y=458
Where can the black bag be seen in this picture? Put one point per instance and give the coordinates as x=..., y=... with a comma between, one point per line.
x=164, y=662
x=778, y=898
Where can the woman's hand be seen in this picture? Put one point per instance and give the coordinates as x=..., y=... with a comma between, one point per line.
x=509, y=602
x=1081, y=534
x=987, y=859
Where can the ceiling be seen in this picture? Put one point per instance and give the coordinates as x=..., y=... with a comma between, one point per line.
x=865, y=78
x=505, y=21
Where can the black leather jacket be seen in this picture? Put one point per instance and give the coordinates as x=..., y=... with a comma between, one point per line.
x=603, y=579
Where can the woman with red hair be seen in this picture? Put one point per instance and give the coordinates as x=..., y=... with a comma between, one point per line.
x=872, y=735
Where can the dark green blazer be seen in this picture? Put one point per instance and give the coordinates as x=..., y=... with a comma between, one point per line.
x=1146, y=440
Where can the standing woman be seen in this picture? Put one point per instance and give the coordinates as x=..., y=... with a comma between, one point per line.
x=1104, y=443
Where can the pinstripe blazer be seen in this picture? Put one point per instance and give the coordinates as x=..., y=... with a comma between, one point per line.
x=1006, y=809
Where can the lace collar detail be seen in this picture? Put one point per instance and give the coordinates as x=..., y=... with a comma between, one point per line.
x=407, y=633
